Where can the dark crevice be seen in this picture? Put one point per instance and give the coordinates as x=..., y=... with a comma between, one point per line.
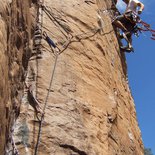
x=73, y=148
x=112, y=137
x=89, y=2
x=100, y=48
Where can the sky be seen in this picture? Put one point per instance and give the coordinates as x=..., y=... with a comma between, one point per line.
x=141, y=73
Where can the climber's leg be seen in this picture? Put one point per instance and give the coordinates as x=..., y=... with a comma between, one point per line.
x=118, y=22
x=129, y=36
x=128, y=47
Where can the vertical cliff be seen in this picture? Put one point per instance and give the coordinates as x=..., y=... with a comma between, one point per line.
x=83, y=83
x=14, y=39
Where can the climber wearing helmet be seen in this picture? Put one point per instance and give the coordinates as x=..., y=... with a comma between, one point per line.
x=127, y=21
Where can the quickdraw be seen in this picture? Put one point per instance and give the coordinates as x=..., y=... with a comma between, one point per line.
x=49, y=40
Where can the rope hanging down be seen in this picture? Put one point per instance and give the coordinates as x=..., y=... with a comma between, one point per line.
x=45, y=104
x=51, y=44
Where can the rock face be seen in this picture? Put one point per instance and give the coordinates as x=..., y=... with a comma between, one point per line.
x=14, y=34
x=81, y=85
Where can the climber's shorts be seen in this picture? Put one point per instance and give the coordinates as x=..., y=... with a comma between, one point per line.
x=126, y=17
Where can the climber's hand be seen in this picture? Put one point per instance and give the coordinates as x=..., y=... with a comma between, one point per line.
x=139, y=12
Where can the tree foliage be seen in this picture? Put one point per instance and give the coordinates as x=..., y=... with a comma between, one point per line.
x=148, y=151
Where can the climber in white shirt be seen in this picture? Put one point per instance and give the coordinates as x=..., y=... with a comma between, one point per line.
x=132, y=6
x=133, y=9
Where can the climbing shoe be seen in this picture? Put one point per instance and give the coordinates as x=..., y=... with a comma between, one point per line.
x=127, y=49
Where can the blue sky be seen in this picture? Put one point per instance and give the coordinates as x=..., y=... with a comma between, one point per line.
x=141, y=72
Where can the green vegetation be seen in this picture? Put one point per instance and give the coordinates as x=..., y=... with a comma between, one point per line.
x=147, y=151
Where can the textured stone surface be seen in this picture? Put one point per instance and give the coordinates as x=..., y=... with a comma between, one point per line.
x=90, y=110
x=4, y=87
x=14, y=35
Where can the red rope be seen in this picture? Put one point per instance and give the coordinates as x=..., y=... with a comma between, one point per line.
x=152, y=38
x=147, y=27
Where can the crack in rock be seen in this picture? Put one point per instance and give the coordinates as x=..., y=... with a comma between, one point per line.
x=73, y=148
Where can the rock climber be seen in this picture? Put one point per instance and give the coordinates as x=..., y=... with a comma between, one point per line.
x=127, y=21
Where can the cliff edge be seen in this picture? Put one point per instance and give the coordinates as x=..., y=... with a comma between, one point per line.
x=80, y=81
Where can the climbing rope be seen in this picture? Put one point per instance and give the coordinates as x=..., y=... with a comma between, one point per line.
x=45, y=105
x=51, y=43
x=146, y=27
x=37, y=47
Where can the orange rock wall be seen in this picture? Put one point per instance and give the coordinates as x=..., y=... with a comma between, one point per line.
x=14, y=37
x=90, y=110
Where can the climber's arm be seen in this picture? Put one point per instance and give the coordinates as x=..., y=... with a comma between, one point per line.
x=141, y=5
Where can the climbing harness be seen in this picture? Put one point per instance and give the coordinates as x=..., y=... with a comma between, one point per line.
x=137, y=27
x=140, y=25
